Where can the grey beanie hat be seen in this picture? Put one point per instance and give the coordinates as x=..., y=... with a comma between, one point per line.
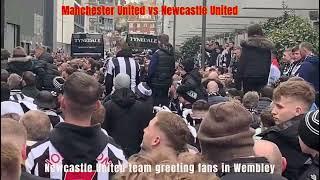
x=121, y=81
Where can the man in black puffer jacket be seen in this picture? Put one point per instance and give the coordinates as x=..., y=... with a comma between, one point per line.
x=191, y=79
x=126, y=117
x=45, y=70
x=161, y=70
x=255, y=60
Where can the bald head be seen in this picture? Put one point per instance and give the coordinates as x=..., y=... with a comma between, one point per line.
x=212, y=87
x=213, y=75
x=271, y=152
x=37, y=124
x=13, y=131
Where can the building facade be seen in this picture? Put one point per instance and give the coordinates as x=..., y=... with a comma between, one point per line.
x=27, y=24
x=142, y=24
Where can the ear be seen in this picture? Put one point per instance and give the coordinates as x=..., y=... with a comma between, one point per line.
x=98, y=105
x=284, y=163
x=24, y=152
x=62, y=102
x=299, y=110
x=156, y=141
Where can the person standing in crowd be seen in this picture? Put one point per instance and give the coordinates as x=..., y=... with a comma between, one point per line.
x=122, y=63
x=270, y=150
x=5, y=55
x=47, y=103
x=38, y=126
x=13, y=131
x=297, y=61
x=4, y=75
x=10, y=161
x=126, y=117
x=265, y=98
x=226, y=137
x=191, y=79
x=29, y=84
x=309, y=69
x=250, y=102
x=234, y=63
x=213, y=90
x=309, y=143
x=144, y=94
x=287, y=62
x=291, y=99
x=42, y=54
x=199, y=110
x=160, y=71
x=76, y=141
x=19, y=62
x=255, y=60
x=165, y=132
x=274, y=74
x=15, y=85
x=230, y=53
x=44, y=69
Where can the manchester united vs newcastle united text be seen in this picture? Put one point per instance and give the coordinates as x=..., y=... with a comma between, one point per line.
x=144, y=10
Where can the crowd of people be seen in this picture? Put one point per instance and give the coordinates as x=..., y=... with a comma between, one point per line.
x=244, y=108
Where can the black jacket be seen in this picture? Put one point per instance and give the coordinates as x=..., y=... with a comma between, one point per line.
x=161, y=67
x=285, y=136
x=310, y=169
x=255, y=60
x=19, y=65
x=192, y=81
x=234, y=175
x=45, y=72
x=30, y=91
x=125, y=120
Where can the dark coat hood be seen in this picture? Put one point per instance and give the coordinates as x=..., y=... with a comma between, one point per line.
x=84, y=144
x=258, y=42
x=123, y=97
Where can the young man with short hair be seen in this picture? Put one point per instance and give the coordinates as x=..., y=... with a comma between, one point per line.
x=75, y=142
x=166, y=131
x=14, y=132
x=291, y=99
x=10, y=161
x=38, y=126
x=297, y=61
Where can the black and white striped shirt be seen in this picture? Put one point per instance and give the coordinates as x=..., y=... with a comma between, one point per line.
x=125, y=65
x=44, y=160
x=17, y=95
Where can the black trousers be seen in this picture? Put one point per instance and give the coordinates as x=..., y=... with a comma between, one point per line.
x=160, y=96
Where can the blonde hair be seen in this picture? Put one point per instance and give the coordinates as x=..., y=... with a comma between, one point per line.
x=37, y=124
x=10, y=161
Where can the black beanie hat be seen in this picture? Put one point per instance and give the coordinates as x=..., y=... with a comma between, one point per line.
x=189, y=95
x=188, y=64
x=309, y=129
